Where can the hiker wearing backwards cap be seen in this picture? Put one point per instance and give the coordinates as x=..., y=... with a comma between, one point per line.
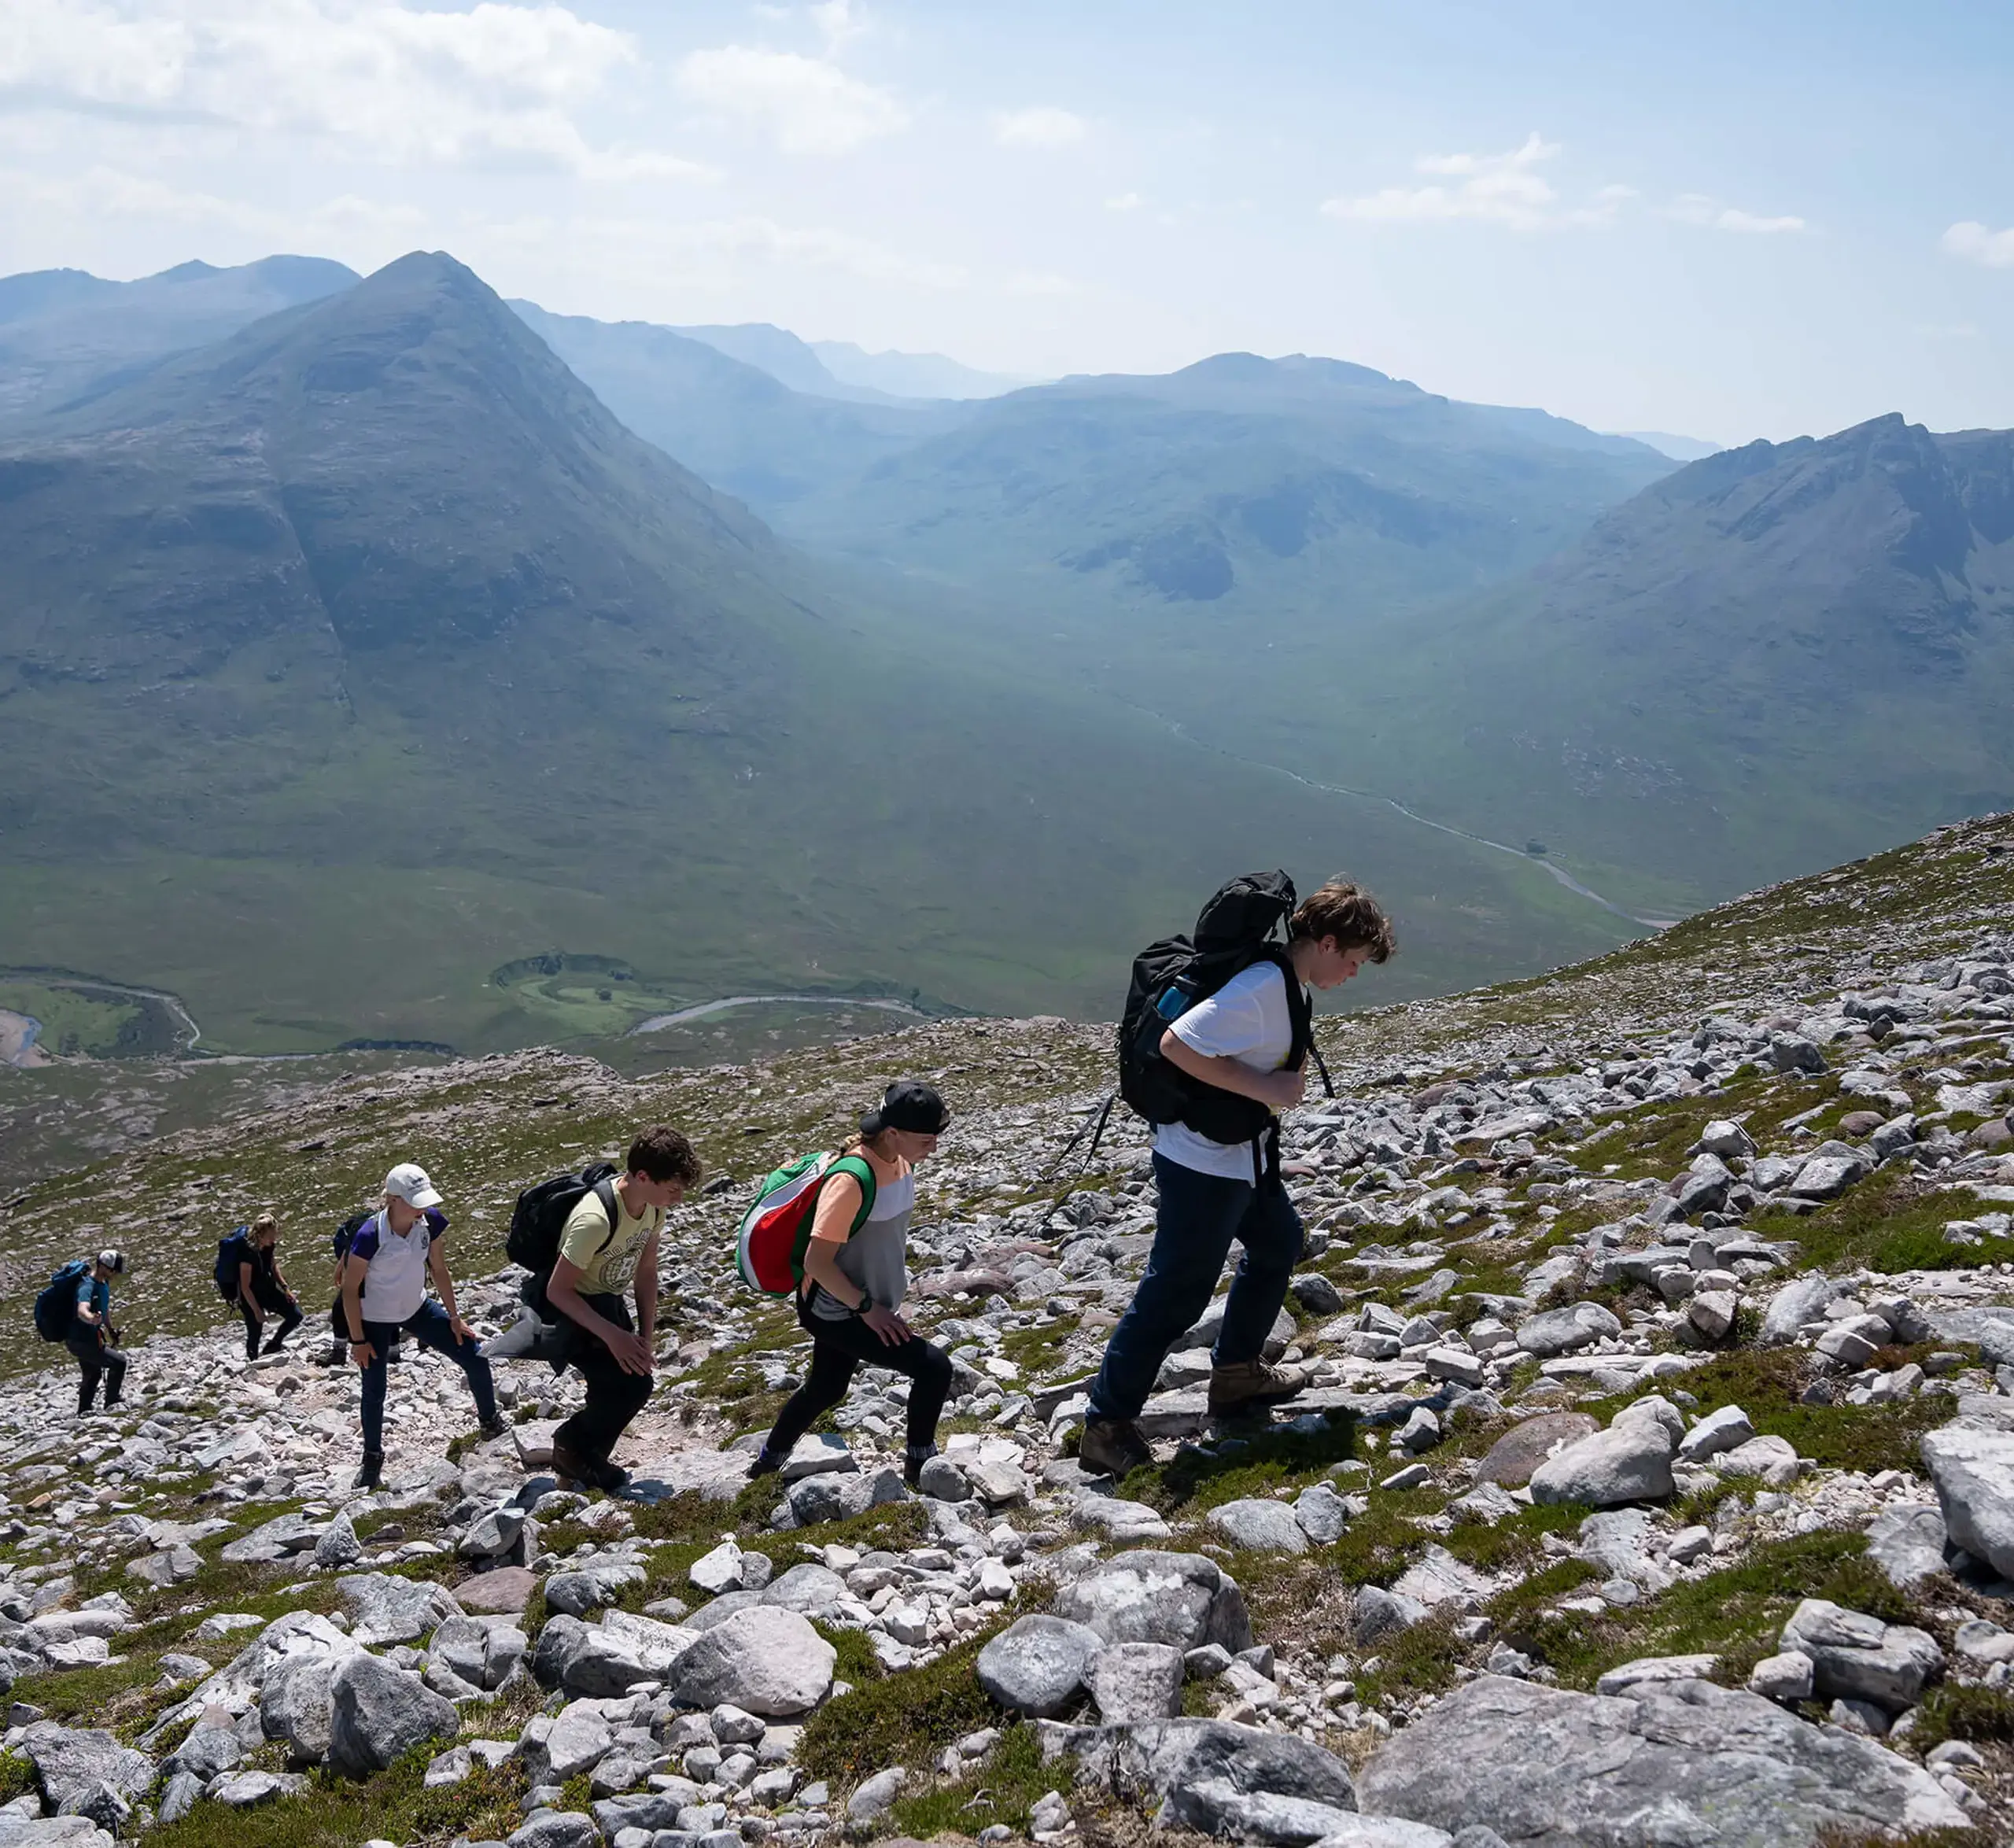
x=854, y=1282
x=383, y=1286
x=1213, y=1194
x=91, y=1338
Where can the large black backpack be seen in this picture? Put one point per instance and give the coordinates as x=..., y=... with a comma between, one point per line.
x=1234, y=930
x=538, y=1221
x=55, y=1307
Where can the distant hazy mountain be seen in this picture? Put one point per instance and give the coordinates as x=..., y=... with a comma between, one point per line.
x=1777, y=658
x=64, y=334
x=350, y=658
x=733, y=423
x=912, y=375
x=1294, y=484
x=787, y=360
x=1678, y=448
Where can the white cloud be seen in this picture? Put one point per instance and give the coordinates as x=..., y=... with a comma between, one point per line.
x=1697, y=208
x=102, y=191
x=495, y=82
x=1504, y=189
x=1970, y=239
x=1042, y=126
x=808, y=105
x=1038, y=283
x=1124, y=202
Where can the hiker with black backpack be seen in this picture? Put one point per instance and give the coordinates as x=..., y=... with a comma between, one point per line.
x=75, y=1309
x=1214, y=1046
x=248, y=1275
x=588, y=1240
x=852, y=1274
x=391, y=1256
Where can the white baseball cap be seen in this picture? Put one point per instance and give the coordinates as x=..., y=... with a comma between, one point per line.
x=408, y=1181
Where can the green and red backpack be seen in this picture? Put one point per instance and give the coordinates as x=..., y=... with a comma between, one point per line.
x=776, y=1228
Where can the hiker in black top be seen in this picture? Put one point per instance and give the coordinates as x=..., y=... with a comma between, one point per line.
x=92, y=1339
x=261, y=1287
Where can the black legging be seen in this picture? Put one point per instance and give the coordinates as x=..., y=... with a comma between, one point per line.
x=95, y=1355
x=276, y=1301
x=837, y=1348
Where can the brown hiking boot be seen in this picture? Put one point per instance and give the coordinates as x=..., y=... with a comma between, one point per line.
x=1112, y=1446
x=1250, y=1385
x=573, y=1469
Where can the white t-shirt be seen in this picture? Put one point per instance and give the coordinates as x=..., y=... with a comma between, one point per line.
x=1246, y=1019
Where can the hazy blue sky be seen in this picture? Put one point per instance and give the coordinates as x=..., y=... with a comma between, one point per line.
x=1726, y=220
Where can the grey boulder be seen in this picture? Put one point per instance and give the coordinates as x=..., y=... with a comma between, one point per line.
x=386, y=1609
x=1630, y=1461
x=378, y=1713
x=1037, y=1665
x=808, y=1588
x=1514, y=1455
x=587, y=1586
x=1258, y=1525
x=1972, y=1470
x=1216, y=1778
x=1855, y=1657
x=837, y=1495
x=765, y=1660
x=1907, y=1541
x=1131, y=1682
x=70, y=1761
x=1149, y=1596
x=295, y=1706
x=1563, y=1331
x=1678, y=1763
x=482, y=1655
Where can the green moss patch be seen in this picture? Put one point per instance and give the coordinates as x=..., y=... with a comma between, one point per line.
x=905, y=1719
x=1004, y=1788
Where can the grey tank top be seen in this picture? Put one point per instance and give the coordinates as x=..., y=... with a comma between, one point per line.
x=877, y=1256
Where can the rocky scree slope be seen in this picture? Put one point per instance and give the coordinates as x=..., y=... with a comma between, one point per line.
x=1653, y=1479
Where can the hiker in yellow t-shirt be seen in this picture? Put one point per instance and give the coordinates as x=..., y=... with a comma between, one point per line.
x=609, y=1247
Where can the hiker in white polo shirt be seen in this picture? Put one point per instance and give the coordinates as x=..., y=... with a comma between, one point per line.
x=394, y=1253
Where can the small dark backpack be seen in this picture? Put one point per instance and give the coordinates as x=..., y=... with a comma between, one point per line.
x=55, y=1307
x=231, y=1252
x=538, y=1221
x=345, y=1235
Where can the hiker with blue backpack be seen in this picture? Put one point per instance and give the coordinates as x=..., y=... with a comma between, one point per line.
x=590, y=1240
x=391, y=1258
x=74, y=1307
x=1213, y=1047
x=248, y=1276
x=849, y=1264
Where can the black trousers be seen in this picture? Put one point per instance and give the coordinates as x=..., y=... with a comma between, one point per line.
x=95, y=1356
x=614, y=1397
x=271, y=1298
x=838, y=1350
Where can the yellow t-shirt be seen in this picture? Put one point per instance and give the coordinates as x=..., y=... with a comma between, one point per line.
x=607, y=1264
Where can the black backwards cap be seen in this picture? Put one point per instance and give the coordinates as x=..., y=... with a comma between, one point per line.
x=908, y=1103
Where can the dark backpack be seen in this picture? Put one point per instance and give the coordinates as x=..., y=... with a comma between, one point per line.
x=56, y=1307
x=345, y=1234
x=538, y=1221
x=1234, y=930
x=231, y=1252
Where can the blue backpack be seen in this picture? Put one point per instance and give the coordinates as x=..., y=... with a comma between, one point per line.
x=231, y=1252
x=56, y=1307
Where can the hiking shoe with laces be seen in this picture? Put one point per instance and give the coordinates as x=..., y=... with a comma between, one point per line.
x=493, y=1425
x=1250, y=1385
x=573, y=1469
x=912, y=1462
x=1112, y=1447
x=763, y=1464
x=373, y=1472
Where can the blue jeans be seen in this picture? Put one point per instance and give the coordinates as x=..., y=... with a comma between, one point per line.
x=1199, y=1218
x=429, y=1326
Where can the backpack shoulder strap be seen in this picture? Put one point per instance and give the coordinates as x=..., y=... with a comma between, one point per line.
x=858, y=1168
x=605, y=1191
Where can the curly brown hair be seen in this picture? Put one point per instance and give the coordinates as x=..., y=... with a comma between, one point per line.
x=663, y=1154
x=1343, y=909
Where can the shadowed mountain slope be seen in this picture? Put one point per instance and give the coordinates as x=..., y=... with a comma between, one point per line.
x=1777, y=657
